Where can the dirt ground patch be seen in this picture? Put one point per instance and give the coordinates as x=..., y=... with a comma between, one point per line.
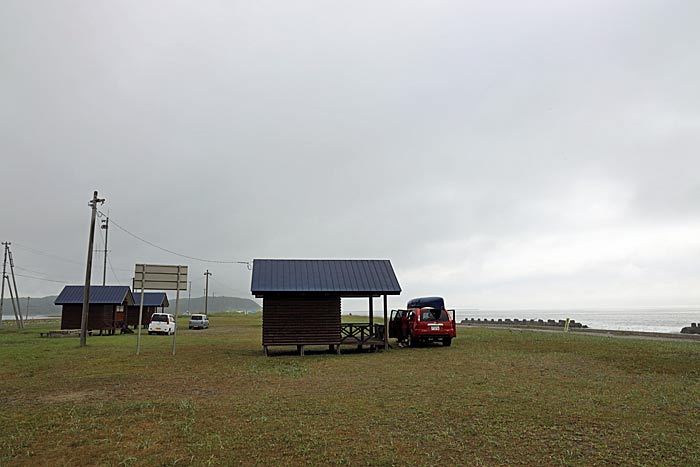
x=71, y=396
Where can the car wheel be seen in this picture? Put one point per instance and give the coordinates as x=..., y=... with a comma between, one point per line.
x=149, y=333
x=447, y=341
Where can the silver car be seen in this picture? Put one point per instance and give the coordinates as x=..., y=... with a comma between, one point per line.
x=199, y=322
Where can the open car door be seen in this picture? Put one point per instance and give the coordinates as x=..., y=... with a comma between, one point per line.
x=395, y=324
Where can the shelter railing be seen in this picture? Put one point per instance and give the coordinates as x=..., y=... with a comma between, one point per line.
x=361, y=333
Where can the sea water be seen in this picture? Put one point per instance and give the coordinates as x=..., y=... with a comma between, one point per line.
x=657, y=319
x=670, y=320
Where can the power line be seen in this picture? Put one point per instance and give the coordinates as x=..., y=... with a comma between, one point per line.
x=34, y=277
x=43, y=253
x=111, y=268
x=230, y=289
x=109, y=260
x=50, y=255
x=247, y=263
x=40, y=278
x=30, y=270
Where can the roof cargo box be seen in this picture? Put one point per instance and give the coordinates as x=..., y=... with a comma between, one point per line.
x=422, y=302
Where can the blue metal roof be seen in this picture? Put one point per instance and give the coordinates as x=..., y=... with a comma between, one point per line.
x=99, y=295
x=151, y=299
x=346, y=277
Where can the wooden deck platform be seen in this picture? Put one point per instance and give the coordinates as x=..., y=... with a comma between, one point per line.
x=63, y=333
x=357, y=334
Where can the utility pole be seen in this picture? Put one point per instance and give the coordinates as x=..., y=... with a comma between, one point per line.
x=15, y=305
x=105, y=226
x=189, y=297
x=2, y=294
x=206, y=290
x=88, y=270
x=12, y=300
x=26, y=315
x=18, y=313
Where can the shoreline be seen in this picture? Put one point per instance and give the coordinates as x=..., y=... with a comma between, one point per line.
x=593, y=331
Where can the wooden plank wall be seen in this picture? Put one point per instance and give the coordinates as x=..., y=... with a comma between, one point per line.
x=99, y=317
x=70, y=316
x=132, y=315
x=301, y=320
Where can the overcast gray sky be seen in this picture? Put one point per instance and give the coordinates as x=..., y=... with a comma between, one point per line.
x=503, y=154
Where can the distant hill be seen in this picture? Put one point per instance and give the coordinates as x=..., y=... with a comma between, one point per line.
x=44, y=306
x=37, y=306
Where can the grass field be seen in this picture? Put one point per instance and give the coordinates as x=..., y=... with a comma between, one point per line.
x=496, y=397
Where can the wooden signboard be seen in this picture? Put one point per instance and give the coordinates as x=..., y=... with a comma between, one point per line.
x=159, y=277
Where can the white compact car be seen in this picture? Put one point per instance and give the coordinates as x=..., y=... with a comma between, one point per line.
x=162, y=323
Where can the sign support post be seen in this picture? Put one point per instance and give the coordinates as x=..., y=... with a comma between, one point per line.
x=138, y=335
x=159, y=277
x=177, y=306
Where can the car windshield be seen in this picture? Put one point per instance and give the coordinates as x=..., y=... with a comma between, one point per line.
x=162, y=318
x=433, y=314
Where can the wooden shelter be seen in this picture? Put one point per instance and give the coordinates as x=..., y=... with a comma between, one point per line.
x=152, y=301
x=107, y=310
x=302, y=300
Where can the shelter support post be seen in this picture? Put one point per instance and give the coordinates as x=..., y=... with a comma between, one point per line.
x=371, y=313
x=386, y=326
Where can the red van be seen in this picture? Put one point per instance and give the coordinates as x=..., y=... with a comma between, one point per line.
x=424, y=320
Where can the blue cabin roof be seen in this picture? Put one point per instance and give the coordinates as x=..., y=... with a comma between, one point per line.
x=152, y=299
x=345, y=277
x=99, y=295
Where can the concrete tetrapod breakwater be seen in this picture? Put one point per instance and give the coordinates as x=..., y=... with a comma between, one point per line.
x=692, y=329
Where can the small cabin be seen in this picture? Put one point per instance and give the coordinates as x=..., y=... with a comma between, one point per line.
x=106, y=311
x=302, y=301
x=153, y=302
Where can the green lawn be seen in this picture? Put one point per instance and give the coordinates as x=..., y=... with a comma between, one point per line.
x=496, y=397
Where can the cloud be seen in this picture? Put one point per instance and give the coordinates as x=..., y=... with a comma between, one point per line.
x=501, y=154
